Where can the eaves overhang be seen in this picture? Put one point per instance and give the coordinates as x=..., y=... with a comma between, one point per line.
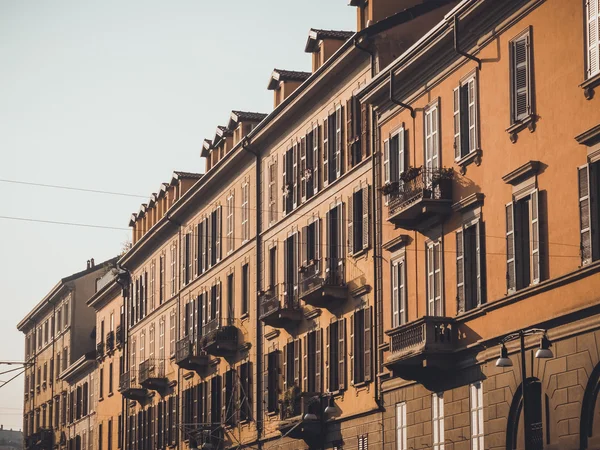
x=107, y=293
x=80, y=367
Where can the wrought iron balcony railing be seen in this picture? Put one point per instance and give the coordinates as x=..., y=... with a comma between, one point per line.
x=427, y=342
x=110, y=341
x=119, y=336
x=279, y=306
x=294, y=408
x=424, y=195
x=100, y=350
x=130, y=388
x=189, y=356
x=220, y=337
x=322, y=287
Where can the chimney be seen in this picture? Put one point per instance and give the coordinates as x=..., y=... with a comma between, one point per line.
x=88, y=264
x=284, y=82
x=92, y=264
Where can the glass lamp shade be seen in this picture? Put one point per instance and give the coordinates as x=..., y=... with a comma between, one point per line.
x=504, y=360
x=310, y=416
x=544, y=351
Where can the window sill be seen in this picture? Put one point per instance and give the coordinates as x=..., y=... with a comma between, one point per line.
x=589, y=85
x=244, y=316
x=110, y=394
x=360, y=253
x=528, y=122
x=470, y=158
x=100, y=398
x=272, y=413
x=362, y=384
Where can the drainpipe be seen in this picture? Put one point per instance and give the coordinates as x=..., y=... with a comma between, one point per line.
x=457, y=48
x=125, y=330
x=370, y=52
x=258, y=270
x=413, y=113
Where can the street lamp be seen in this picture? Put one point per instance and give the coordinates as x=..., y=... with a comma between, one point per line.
x=543, y=352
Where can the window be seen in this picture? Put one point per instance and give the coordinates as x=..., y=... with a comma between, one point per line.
x=245, y=288
x=271, y=381
x=437, y=409
x=152, y=289
x=469, y=266
x=314, y=146
x=101, y=384
x=358, y=225
x=173, y=268
x=295, y=176
x=290, y=269
x=245, y=391
x=85, y=399
x=432, y=150
x=45, y=374
x=435, y=303
x=272, y=190
x=119, y=431
x=109, y=431
x=313, y=361
x=46, y=331
x=230, y=409
x=401, y=427
x=187, y=258
x=288, y=185
x=110, y=378
x=215, y=400
x=335, y=239
x=307, y=165
x=592, y=10
x=589, y=223
x=214, y=237
x=303, y=168
x=465, y=117
x=520, y=78
x=229, y=222
x=353, y=125
x=65, y=358
x=272, y=267
x=245, y=212
x=66, y=314
x=399, y=312
x=477, y=435
x=56, y=412
x=336, y=164
x=311, y=250
x=173, y=324
x=523, y=242
x=363, y=443
x=394, y=156
x=336, y=356
x=161, y=279
x=100, y=437
x=230, y=297
x=161, y=339
x=361, y=346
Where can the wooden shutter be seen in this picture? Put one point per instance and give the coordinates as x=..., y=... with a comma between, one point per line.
x=457, y=149
x=585, y=222
x=224, y=397
x=304, y=247
x=184, y=242
x=386, y=161
x=218, y=232
x=460, y=272
x=286, y=380
x=352, y=329
x=297, y=353
x=535, y=237
x=327, y=252
x=266, y=382
x=218, y=303
x=401, y=153
x=480, y=255
x=396, y=293
x=285, y=183
x=317, y=237
x=339, y=141
x=430, y=280
x=364, y=130
x=350, y=130
x=368, y=344
x=209, y=233
x=305, y=363
x=316, y=158
x=350, y=203
x=295, y=196
x=366, y=222
x=341, y=353
x=521, y=78
x=511, y=272
x=593, y=38
x=326, y=151
x=327, y=356
x=318, y=360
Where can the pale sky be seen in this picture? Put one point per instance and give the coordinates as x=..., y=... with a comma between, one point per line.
x=114, y=95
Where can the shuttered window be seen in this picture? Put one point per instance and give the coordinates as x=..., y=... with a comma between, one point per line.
x=589, y=191
x=288, y=185
x=271, y=381
x=295, y=176
x=272, y=189
x=592, y=12
x=229, y=223
x=437, y=409
x=401, y=427
x=361, y=346
x=337, y=163
x=523, y=242
x=354, y=124
x=245, y=213
x=363, y=442
x=477, y=434
x=358, y=224
x=303, y=169
x=432, y=144
x=399, y=313
x=470, y=260
x=465, y=117
x=245, y=392
x=313, y=361
x=521, y=77
x=434, y=278
x=316, y=159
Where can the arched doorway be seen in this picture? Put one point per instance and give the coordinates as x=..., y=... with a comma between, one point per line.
x=590, y=412
x=515, y=436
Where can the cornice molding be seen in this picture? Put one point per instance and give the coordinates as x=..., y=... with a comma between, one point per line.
x=528, y=169
x=589, y=137
x=471, y=201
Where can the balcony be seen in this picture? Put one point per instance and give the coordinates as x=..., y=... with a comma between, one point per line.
x=220, y=337
x=100, y=350
x=188, y=356
x=152, y=375
x=425, y=344
x=42, y=440
x=324, y=290
x=294, y=406
x=119, y=336
x=279, y=306
x=421, y=199
x=110, y=341
x=130, y=389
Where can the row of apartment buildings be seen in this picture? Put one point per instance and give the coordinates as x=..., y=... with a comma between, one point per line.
x=350, y=266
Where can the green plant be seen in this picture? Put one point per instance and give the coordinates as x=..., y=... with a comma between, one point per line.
x=290, y=402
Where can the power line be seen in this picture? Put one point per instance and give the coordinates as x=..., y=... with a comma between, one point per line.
x=56, y=222
x=70, y=188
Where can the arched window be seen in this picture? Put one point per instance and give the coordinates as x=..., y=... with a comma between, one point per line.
x=515, y=439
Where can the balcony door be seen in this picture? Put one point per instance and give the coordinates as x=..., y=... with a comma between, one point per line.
x=290, y=269
x=432, y=147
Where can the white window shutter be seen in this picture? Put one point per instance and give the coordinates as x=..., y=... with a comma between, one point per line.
x=460, y=272
x=350, y=224
x=480, y=256
x=316, y=158
x=585, y=223
x=511, y=272
x=341, y=353
x=366, y=204
x=326, y=150
x=535, y=237
x=368, y=341
x=521, y=78
x=318, y=245
x=472, y=113
x=457, y=149
x=352, y=327
x=305, y=363
x=396, y=294
x=401, y=153
x=386, y=161
x=318, y=360
x=593, y=38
